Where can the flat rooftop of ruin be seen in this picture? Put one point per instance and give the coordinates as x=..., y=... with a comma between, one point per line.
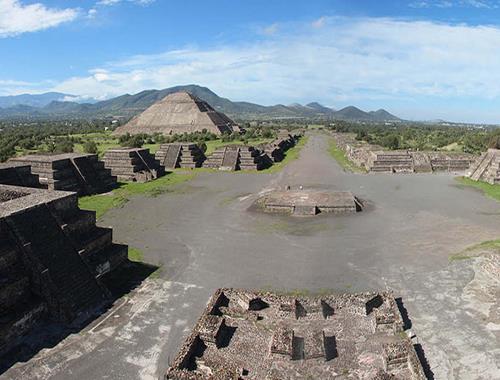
x=50, y=157
x=262, y=335
x=14, y=199
x=308, y=202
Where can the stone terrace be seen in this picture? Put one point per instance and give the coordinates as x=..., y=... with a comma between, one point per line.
x=261, y=335
x=237, y=157
x=181, y=155
x=133, y=164
x=83, y=173
x=18, y=174
x=53, y=259
x=487, y=167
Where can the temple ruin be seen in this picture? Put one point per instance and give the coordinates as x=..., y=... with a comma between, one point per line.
x=180, y=112
x=18, y=174
x=180, y=155
x=133, y=164
x=53, y=259
x=277, y=148
x=487, y=167
x=79, y=172
x=261, y=335
x=375, y=159
x=237, y=157
x=308, y=202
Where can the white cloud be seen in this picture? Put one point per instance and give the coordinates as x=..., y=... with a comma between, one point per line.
x=16, y=18
x=114, y=2
x=485, y=4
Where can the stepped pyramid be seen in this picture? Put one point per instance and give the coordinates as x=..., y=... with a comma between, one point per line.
x=237, y=157
x=180, y=155
x=18, y=174
x=487, y=167
x=53, y=259
x=180, y=112
x=79, y=172
x=133, y=164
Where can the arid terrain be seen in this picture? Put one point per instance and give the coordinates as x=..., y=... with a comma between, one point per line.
x=203, y=236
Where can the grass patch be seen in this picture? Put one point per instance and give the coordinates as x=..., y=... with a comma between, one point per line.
x=474, y=250
x=102, y=203
x=492, y=191
x=290, y=155
x=135, y=254
x=340, y=156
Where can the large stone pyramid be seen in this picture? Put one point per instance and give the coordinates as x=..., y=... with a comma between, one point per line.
x=178, y=113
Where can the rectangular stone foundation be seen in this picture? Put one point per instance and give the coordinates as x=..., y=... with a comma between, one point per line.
x=133, y=164
x=275, y=336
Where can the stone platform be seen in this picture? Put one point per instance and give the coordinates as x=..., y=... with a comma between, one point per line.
x=309, y=202
x=18, y=174
x=180, y=155
x=261, y=335
x=53, y=259
x=133, y=164
x=80, y=172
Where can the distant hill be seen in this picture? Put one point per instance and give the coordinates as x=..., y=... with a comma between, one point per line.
x=36, y=100
x=126, y=106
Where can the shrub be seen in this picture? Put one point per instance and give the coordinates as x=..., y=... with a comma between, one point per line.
x=90, y=146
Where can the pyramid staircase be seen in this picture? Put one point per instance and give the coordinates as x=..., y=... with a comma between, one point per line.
x=133, y=164
x=487, y=167
x=183, y=155
x=391, y=162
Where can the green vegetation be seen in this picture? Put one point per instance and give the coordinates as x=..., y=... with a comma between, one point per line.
x=418, y=136
x=493, y=191
x=341, y=158
x=135, y=254
x=213, y=145
x=476, y=249
x=102, y=203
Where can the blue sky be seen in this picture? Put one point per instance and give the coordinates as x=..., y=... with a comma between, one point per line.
x=421, y=59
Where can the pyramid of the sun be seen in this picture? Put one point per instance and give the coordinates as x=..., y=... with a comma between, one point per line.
x=178, y=113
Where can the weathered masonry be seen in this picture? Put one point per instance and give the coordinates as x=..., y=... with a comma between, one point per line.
x=487, y=167
x=181, y=155
x=309, y=202
x=261, y=335
x=133, y=164
x=17, y=174
x=53, y=259
x=237, y=157
x=83, y=173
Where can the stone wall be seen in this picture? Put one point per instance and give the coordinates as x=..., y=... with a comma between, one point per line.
x=133, y=164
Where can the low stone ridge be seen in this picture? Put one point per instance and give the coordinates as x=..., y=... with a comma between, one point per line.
x=82, y=173
x=180, y=112
x=53, y=259
x=18, y=174
x=180, y=155
x=276, y=149
x=487, y=167
x=245, y=334
x=133, y=164
x=237, y=157
x=374, y=159
x=309, y=202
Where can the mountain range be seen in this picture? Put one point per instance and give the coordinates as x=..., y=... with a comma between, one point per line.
x=59, y=105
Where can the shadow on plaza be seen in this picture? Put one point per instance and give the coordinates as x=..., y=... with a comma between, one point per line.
x=47, y=334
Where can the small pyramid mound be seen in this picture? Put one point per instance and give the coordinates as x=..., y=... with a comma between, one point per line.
x=133, y=164
x=180, y=155
x=180, y=112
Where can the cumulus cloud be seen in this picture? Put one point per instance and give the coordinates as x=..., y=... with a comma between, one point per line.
x=346, y=60
x=16, y=18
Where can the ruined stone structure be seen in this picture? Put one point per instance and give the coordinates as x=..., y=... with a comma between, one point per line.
x=261, y=335
x=133, y=164
x=83, y=173
x=53, y=259
x=487, y=167
x=179, y=112
x=309, y=202
x=276, y=149
x=18, y=174
x=237, y=157
x=180, y=155
x=374, y=159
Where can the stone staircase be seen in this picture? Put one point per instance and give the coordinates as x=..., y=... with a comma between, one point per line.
x=133, y=164
x=391, y=162
x=231, y=159
x=480, y=170
x=17, y=174
x=184, y=155
x=251, y=159
x=421, y=162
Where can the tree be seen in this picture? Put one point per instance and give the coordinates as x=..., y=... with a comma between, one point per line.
x=90, y=146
